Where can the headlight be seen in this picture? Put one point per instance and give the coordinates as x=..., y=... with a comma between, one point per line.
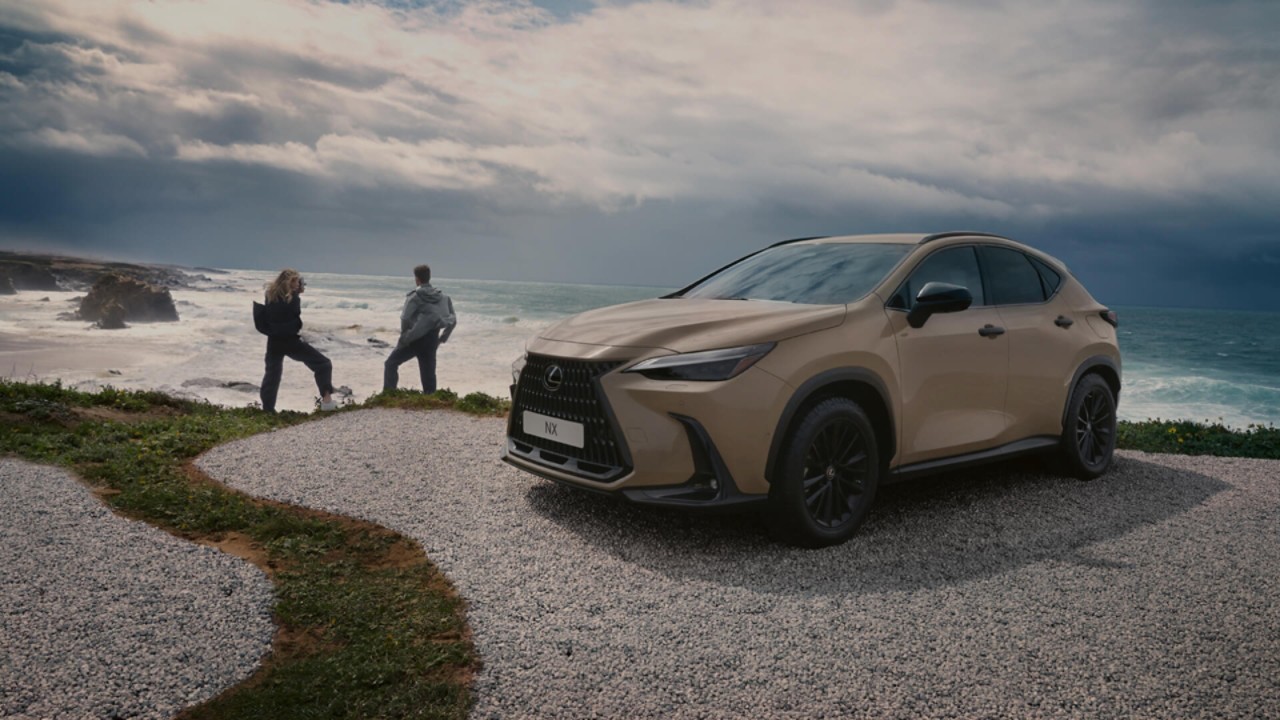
x=708, y=365
x=517, y=365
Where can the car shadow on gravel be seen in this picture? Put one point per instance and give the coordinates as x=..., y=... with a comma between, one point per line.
x=924, y=534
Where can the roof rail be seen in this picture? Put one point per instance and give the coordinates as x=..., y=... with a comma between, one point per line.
x=799, y=239
x=958, y=233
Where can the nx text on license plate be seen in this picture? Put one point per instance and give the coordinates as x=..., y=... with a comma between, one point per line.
x=549, y=428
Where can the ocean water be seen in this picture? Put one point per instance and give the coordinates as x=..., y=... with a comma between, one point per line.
x=1220, y=366
x=1214, y=365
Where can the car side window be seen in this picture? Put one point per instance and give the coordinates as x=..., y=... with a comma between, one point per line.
x=1048, y=276
x=957, y=266
x=1012, y=277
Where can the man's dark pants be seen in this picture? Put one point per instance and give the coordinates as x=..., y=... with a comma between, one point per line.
x=294, y=348
x=424, y=349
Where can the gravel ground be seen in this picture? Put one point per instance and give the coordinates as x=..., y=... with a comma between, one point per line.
x=103, y=617
x=1151, y=592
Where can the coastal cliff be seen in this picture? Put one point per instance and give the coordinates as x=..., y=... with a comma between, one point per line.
x=36, y=271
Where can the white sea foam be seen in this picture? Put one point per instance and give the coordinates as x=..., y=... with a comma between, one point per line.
x=1151, y=392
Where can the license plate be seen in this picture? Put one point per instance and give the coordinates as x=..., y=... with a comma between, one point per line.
x=549, y=428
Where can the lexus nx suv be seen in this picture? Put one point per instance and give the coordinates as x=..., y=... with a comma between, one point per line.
x=804, y=376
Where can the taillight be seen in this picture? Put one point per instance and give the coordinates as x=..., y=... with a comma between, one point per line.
x=1111, y=317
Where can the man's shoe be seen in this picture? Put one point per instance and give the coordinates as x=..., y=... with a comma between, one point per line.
x=330, y=404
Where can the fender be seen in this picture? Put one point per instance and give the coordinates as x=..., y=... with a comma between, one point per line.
x=815, y=384
x=1091, y=363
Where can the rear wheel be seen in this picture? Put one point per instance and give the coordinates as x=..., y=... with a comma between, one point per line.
x=1089, y=434
x=828, y=477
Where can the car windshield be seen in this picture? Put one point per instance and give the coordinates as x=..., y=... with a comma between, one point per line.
x=821, y=274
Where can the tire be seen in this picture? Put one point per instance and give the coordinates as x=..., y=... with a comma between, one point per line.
x=828, y=477
x=1089, y=433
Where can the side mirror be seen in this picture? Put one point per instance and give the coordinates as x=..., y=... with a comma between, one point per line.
x=938, y=297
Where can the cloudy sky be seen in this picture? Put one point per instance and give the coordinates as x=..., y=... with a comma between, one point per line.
x=646, y=142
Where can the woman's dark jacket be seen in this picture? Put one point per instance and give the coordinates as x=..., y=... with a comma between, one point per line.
x=279, y=318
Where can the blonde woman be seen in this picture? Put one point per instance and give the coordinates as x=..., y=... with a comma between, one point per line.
x=282, y=321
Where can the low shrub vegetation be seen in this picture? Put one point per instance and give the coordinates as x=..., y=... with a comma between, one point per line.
x=475, y=403
x=1199, y=438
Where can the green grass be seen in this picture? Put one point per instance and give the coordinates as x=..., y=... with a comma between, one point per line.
x=475, y=403
x=369, y=628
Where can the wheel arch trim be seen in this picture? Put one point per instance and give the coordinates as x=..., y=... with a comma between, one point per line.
x=813, y=387
x=1110, y=372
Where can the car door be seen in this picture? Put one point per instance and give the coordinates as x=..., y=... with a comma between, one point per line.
x=954, y=369
x=1043, y=340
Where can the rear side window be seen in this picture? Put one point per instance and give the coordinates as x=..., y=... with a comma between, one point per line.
x=1048, y=276
x=1012, y=278
x=955, y=266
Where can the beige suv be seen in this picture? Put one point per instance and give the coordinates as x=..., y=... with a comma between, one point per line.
x=804, y=376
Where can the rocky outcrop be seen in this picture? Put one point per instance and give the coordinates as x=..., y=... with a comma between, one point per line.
x=28, y=276
x=206, y=382
x=34, y=271
x=115, y=299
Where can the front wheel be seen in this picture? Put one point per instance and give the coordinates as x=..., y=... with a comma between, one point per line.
x=1089, y=434
x=828, y=477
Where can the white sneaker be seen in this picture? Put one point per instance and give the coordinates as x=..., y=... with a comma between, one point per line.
x=329, y=404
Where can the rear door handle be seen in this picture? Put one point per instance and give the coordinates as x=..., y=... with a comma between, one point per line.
x=1064, y=322
x=991, y=331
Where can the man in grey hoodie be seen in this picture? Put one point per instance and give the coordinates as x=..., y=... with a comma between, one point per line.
x=426, y=312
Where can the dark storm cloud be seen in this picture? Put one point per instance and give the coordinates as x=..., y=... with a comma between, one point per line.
x=216, y=211
x=14, y=60
x=626, y=142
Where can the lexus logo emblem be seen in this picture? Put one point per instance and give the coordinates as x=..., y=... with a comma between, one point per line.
x=553, y=378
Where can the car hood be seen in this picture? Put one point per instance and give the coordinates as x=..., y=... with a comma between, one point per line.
x=690, y=324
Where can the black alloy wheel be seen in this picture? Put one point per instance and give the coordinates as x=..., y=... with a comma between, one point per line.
x=1089, y=437
x=829, y=476
x=835, y=473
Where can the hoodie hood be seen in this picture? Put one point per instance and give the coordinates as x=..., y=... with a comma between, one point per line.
x=692, y=324
x=425, y=299
x=426, y=292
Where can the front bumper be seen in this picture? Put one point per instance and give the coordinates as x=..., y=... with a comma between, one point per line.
x=710, y=488
x=693, y=445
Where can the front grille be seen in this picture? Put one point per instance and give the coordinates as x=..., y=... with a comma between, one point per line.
x=578, y=399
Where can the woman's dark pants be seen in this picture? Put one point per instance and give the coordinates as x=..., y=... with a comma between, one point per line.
x=424, y=349
x=295, y=348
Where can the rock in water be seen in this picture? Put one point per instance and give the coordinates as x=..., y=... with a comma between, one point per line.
x=6, y=284
x=139, y=301
x=208, y=382
x=111, y=316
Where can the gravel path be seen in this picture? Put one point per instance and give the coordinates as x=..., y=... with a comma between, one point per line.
x=103, y=617
x=1152, y=592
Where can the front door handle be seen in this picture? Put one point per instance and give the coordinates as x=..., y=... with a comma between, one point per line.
x=1064, y=322
x=991, y=331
